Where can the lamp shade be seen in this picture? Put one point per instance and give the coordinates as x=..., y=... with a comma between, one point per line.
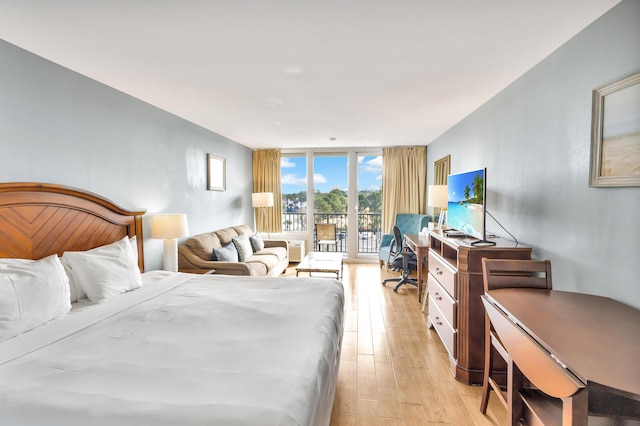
x=262, y=199
x=437, y=196
x=169, y=226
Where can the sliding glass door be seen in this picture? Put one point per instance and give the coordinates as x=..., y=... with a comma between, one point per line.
x=345, y=193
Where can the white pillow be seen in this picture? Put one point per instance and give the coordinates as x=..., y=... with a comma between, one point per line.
x=76, y=291
x=32, y=292
x=103, y=272
x=134, y=246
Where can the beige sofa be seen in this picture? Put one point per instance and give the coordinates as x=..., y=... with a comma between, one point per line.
x=195, y=256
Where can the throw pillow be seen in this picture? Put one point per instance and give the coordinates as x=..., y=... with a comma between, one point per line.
x=256, y=242
x=243, y=245
x=226, y=253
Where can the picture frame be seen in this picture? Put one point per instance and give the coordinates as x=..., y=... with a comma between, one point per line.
x=216, y=173
x=615, y=134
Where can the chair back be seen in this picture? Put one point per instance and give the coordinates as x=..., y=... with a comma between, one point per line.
x=410, y=223
x=326, y=231
x=511, y=273
x=397, y=239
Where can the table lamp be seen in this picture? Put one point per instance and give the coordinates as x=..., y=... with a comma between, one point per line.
x=169, y=227
x=262, y=200
x=438, y=197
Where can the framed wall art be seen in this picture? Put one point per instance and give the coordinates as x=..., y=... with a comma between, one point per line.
x=216, y=173
x=615, y=134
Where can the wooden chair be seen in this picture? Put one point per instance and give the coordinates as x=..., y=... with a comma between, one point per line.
x=507, y=273
x=326, y=235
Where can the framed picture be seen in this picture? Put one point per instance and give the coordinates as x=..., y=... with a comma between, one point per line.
x=615, y=134
x=217, y=172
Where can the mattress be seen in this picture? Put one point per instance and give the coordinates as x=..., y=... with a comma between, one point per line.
x=183, y=349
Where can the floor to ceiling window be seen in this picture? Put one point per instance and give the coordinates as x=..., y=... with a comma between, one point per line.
x=369, y=202
x=330, y=196
x=293, y=175
x=345, y=191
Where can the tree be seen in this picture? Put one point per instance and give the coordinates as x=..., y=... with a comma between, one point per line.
x=370, y=201
x=335, y=201
x=478, y=189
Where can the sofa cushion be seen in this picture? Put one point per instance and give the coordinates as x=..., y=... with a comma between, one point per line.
x=243, y=229
x=226, y=253
x=279, y=252
x=202, y=245
x=269, y=261
x=226, y=235
x=243, y=245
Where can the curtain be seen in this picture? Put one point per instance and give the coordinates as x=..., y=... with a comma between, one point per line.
x=266, y=178
x=404, y=175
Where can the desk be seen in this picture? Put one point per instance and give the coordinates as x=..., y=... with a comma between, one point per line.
x=596, y=338
x=420, y=246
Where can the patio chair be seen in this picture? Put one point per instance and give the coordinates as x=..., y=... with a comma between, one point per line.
x=326, y=236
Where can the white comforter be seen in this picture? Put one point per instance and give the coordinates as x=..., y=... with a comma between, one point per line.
x=212, y=350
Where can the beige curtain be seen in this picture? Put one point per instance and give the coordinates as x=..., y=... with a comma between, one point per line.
x=266, y=178
x=404, y=175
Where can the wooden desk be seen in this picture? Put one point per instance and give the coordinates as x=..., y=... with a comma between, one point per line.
x=596, y=338
x=420, y=246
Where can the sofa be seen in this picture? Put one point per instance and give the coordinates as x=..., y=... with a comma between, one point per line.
x=196, y=255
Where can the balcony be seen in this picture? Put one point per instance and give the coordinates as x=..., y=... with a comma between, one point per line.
x=369, y=229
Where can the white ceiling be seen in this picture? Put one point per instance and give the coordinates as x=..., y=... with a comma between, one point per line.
x=295, y=73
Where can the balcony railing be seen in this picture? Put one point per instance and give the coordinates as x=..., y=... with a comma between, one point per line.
x=369, y=229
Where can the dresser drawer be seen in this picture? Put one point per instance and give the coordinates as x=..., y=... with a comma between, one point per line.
x=444, y=273
x=441, y=298
x=445, y=331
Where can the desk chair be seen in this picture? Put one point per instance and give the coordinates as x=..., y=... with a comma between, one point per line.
x=326, y=235
x=408, y=223
x=507, y=273
x=404, y=261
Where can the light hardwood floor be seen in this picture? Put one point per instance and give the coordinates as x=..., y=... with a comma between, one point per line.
x=394, y=371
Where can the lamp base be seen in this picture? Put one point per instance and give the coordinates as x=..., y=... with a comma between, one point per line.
x=170, y=255
x=442, y=222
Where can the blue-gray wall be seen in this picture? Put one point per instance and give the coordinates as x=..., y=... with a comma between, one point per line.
x=58, y=126
x=534, y=139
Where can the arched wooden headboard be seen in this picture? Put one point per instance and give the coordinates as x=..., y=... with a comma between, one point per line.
x=40, y=219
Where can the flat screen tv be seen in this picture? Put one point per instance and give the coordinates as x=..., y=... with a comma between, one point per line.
x=466, y=208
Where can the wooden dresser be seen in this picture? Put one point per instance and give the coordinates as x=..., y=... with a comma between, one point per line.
x=454, y=288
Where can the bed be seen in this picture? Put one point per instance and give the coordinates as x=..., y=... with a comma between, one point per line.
x=173, y=349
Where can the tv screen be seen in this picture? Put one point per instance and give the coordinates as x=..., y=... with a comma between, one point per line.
x=466, y=203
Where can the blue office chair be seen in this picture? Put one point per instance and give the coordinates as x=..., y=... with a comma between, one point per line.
x=408, y=223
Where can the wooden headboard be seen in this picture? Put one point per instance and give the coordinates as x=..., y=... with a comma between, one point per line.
x=40, y=219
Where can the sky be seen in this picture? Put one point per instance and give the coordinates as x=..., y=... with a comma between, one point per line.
x=456, y=184
x=330, y=172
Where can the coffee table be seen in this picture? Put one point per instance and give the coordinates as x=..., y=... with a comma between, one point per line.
x=317, y=261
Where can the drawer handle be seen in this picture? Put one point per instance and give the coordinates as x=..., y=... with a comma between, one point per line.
x=438, y=321
x=437, y=296
x=438, y=271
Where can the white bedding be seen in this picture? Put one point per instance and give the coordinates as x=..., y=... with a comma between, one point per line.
x=210, y=350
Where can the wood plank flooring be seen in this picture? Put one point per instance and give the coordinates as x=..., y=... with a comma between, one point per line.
x=394, y=371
